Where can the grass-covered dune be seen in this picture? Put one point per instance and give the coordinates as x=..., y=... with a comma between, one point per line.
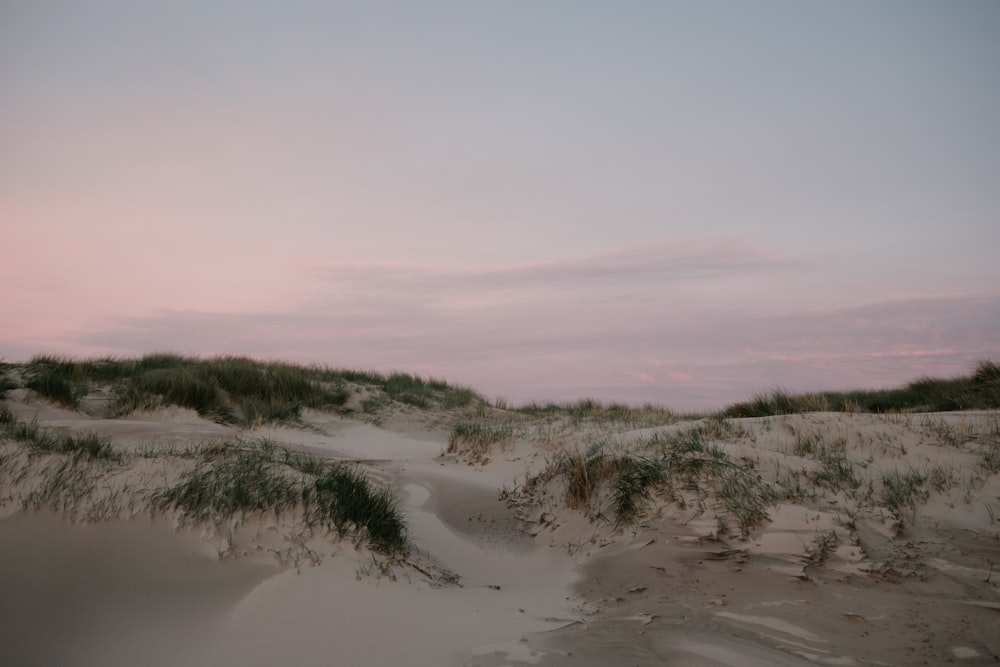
x=88, y=476
x=813, y=506
x=249, y=392
x=228, y=389
x=978, y=390
x=221, y=484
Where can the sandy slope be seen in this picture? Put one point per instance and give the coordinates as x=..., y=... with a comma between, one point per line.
x=535, y=583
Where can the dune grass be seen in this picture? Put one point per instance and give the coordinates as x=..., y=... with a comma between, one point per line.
x=36, y=440
x=978, y=390
x=237, y=479
x=902, y=490
x=606, y=482
x=220, y=483
x=414, y=390
x=234, y=389
x=475, y=437
x=228, y=389
x=588, y=410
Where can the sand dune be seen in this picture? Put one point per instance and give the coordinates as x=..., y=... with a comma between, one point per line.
x=830, y=575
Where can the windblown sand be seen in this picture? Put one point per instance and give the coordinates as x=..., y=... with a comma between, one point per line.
x=520, y=582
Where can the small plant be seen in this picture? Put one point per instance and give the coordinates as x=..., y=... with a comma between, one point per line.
x=584, y=473
x=476, y=437
x=837, y=473
x=822, y=546
x=942, y=478
x=991, y=457
x=635, y=477
x=902, y=490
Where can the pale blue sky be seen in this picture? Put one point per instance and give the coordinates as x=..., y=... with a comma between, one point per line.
x=679, y=202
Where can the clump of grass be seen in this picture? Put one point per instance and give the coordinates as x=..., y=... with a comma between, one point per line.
x=6, y=383
x=942, y=478
x=64, y=483
x=838, y=471
x=942, y=430
x=413, y=390
x=230, y=389
x=991, y=457
x=678, y=463
x=88, y=446
x=344, y=497
x=476, y=437
x=183, y=387
x=778, y=401
x=7, y=416
x=719, y=427
x=635, y=478
x=978, y=390
x=902, y=490
x=227, y=481
x=232, y=481
x=235, y=481
x=409, y=389
x=822, y=546
x=60, y=379
x=584, y=473
x=592, y=411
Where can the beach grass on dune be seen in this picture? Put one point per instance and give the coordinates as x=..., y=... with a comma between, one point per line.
x=712, y=469
x=228, y=389
x=242, y=390
x=38, y=440
x=618, y=485
x=594, y=474
x=476, y=437
x=220, y=483
x=237, y=479
x=591, y=410
x=978, y=390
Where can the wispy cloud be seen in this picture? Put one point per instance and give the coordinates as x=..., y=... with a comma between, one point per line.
x=662, y=263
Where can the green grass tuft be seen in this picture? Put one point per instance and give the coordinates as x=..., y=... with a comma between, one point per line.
x=59, y=379
x=902, y=490
x=475, y=437
x=679, y=463
x=979, y=390
x=237, y=480
x=87, y=446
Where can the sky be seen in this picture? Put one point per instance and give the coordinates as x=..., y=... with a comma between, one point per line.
x=680, y=203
